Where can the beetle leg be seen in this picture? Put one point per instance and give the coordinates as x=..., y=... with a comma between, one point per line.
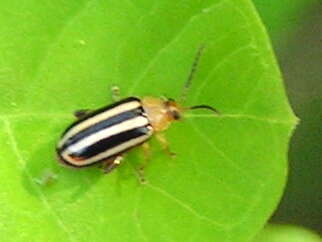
x=81, y=113
x=112, y=163
x=115, y=93
x=165, y=145
x=146, y=151
x=140, y=173
x=140, y=170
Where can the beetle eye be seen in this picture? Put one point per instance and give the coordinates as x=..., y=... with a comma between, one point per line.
x=176, y=115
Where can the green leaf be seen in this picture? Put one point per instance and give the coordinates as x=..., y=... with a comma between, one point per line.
x=229, y=171
x=286, y=233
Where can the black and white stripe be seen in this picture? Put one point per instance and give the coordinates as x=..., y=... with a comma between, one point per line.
x=105, y=133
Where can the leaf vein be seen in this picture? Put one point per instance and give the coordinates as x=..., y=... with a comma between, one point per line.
x=137, y=219
x=223, y=154
x=218, y=65
x=243, y=116
x=20, y=159
x=55, y=39
x=186, y=206
x=125, y=41
x=167, y=45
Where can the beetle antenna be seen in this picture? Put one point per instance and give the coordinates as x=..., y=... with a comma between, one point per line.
x=187, y=84
x=205, y=107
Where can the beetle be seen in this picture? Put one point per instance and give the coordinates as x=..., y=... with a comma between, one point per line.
x=105, y=134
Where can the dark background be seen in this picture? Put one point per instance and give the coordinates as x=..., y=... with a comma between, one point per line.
x=295, y=27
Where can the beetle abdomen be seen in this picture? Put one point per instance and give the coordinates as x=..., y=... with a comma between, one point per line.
x=105, y=133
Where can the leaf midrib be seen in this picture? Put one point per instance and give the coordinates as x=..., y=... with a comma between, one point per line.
x=243, y=116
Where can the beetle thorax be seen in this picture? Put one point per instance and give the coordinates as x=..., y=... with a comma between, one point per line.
x=161, y=113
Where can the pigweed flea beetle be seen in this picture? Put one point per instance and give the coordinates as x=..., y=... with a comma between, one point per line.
x=105, y=134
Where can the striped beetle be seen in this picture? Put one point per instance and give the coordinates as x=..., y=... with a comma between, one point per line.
x=104, y=135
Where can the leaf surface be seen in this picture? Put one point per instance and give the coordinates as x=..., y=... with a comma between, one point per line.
x=229, y=171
